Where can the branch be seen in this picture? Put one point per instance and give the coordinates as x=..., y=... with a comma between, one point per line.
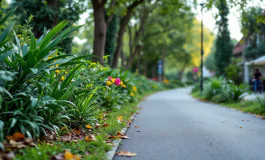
x=156, y=33
x=109, y=19
x=134, y=4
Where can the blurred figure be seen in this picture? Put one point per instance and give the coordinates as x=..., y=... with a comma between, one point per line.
x=257, y=78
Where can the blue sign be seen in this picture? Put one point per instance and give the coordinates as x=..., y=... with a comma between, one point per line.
x=160, y=67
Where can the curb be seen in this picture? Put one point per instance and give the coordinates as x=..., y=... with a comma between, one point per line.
x=111, y=153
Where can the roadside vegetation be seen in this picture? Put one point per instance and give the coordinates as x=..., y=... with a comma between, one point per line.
x=64, y=106
x=228, y=94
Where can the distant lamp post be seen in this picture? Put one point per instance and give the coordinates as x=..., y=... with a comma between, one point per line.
x=202, y=52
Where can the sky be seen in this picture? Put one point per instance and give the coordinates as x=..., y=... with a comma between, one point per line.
x=209, y=20
x=233, y=19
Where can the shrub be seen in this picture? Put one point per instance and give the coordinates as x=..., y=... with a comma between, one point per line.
x=42, y=89
x=261, y=102
x=233, y=72
x=220, y=90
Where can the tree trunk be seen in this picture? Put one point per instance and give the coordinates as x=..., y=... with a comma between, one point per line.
x=135, y=47
x=124, y=22
x=182, y=71
x=100, y=28
x=122, y=59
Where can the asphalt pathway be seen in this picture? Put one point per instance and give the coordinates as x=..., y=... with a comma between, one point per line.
x=175, y=126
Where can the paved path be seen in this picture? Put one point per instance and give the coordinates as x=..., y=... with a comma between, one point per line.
x=174, y=126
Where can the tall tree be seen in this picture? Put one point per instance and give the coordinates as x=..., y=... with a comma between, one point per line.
x=224, y=45
x=47, y=13
x=111, y=37
x=123, y=24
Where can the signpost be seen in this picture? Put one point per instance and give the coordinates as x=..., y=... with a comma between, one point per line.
x=160, y=70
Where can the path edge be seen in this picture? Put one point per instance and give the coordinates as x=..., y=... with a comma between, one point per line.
x=111, y=153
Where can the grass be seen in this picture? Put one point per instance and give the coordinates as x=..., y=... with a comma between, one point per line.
x=94, y=150
x=253, y=107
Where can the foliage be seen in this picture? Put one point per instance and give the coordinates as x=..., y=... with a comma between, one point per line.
x=233, y=72
x=111, y=37
x=220, y=90
x=48, y=13
x=250, y=21
x=43, y=90
x=261, y=102
x=224, y=46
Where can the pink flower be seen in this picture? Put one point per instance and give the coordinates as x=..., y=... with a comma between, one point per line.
x=110, y=78
x=117, y=81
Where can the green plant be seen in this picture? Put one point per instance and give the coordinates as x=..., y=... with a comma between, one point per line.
x=235, y=92
x=261, y=102
x=233, y=72
x=28, y=69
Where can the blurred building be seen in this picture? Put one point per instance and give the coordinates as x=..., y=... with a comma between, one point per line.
x=250, y=50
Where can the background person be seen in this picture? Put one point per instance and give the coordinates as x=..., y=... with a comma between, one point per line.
x=257, y=78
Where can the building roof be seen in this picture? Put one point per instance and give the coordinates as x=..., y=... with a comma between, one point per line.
x=239, y=48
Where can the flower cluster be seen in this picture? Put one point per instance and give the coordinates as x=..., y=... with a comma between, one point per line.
x=134, y=91
x=166, y=81
x=116, y=81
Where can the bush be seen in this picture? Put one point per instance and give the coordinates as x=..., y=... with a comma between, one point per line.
x=261, y=102
x=220, y=90
x=233, y=72
x=43, y=89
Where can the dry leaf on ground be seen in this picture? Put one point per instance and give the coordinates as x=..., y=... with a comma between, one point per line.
x=136, y=126
x=91, y=137
x=69, y=156
x=77, y=131
x=126, y=154
x=124, y=137
x=97, y=125
x=105, y=125
x=16, y=136
x=120, y=118
x=88, y=126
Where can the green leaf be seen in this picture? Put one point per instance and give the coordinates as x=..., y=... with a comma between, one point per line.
x=2, y=21
x=13, y=123
x=6, y=54
x=70, y=76
x=32, y=42
x=50, y=35
x=6, y=31
x=34, y=70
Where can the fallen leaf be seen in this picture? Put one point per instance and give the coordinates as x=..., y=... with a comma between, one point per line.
x=240, y=127
x=88, y=126
x=105, y=125
x=91, y=137
x=66, y=138
x=112, y=137
x=97, y=126
x=124, y=137
x=68, y=155
x=120, y=118
x=136, y=126
x=129, y=122
x=126, y=154
x=16, y=136
x=119, y=134
x=77, y=131
x=29, y=141
x=59, y=156
x=15, y=144
x=77, y=157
